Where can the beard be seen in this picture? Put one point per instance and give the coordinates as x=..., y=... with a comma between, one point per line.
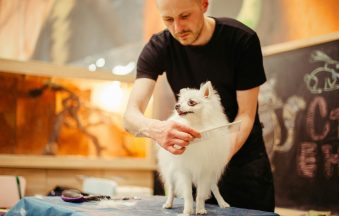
x=188, y=37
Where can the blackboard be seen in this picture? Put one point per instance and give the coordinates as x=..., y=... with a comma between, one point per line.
x=299, y=107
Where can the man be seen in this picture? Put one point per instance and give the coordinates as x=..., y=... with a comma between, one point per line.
x=193, y=49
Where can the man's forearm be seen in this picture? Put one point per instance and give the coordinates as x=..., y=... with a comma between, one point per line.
x=137, y=124
x=247, y=107
x=244, y=131
x=167, y=134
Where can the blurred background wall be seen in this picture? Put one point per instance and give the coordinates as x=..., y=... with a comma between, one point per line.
x=68, y=31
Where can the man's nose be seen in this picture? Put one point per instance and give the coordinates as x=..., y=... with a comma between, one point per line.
x=177, y=26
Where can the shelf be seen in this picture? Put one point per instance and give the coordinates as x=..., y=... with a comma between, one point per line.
x=51, y=70
x=298, y=44
x=75, y=162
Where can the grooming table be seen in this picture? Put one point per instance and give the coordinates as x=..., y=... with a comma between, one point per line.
x=146, y=206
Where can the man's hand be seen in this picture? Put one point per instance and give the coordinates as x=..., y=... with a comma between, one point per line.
x=172, y=136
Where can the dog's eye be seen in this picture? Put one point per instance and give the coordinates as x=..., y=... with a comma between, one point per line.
x=191, y=103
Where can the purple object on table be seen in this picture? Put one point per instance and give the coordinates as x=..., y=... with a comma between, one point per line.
x=76, y=196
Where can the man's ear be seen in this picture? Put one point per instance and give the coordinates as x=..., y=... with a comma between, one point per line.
x=204, y=4
x=206, y=89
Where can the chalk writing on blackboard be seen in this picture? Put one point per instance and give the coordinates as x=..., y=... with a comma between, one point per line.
x=301, y=124
x=307, y=156
x=324, y=78
x=293, y=105
x=269, y=103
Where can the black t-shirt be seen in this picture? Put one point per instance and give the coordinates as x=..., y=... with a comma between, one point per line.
x=231, y=60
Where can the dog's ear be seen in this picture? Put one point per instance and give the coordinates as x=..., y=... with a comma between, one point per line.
x=206, y=89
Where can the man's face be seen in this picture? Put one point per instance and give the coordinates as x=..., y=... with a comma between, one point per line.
x=183, y=18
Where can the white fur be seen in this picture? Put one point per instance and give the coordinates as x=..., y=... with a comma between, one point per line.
x=203, y=162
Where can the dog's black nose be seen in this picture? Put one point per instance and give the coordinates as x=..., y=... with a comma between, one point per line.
x=177, y=106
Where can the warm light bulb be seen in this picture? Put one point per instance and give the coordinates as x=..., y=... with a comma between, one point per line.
x=108, y=96
x=100, y=62
x=123, y=70
x=92, y=67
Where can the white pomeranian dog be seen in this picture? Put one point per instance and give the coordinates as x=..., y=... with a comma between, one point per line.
x=204, y=160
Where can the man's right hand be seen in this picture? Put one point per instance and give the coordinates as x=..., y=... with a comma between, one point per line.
x=172, y=136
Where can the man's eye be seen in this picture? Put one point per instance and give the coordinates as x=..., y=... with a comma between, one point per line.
x=192, y=103
x=168, y=20
x=184, y=16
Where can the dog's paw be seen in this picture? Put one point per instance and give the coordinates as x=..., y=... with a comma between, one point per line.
x=201, y=211
x=188, y=211
x=224, y=204
x=167, y=205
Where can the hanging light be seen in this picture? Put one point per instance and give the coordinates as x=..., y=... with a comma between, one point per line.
x=124, y=69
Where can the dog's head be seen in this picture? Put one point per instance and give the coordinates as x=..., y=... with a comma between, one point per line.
x=197, y=103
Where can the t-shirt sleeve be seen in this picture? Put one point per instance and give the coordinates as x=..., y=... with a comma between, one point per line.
x=250, y=71
x=151, y=62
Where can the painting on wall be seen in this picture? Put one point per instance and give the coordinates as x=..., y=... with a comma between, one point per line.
x=54, y=116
